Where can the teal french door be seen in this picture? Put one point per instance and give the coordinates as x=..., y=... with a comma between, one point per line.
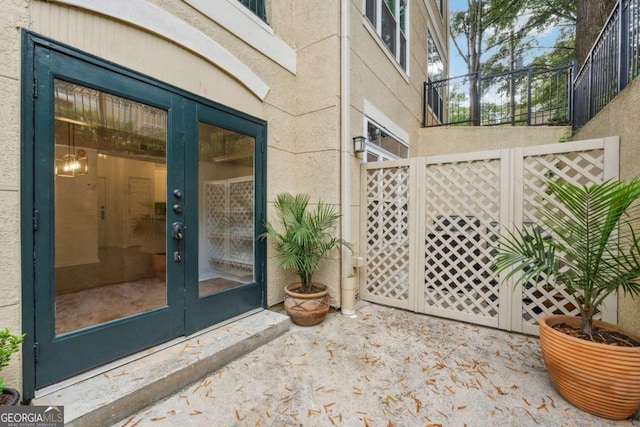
x=145, y=202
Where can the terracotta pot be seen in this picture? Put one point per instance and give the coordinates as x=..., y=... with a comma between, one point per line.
x=306, y=309
x=601, y=379
x=13, y=396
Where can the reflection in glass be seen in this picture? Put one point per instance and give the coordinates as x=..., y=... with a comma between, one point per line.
x=109, y=208
x=225, y=182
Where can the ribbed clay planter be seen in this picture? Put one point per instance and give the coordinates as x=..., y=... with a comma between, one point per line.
x=306, y=309
x=601, y=379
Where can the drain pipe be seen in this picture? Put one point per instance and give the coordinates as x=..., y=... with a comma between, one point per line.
x=348, y=280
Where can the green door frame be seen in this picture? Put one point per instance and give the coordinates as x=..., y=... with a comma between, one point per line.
x=196, y=313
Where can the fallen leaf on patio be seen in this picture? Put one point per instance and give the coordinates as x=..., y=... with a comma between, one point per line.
x=172, y=412
x=107, y=376
x=238, y=415
x=286, y=399
x=303, y=354
x=524, y=399
x=418, y=404
x=434, y=425
x=328, y=405
x=128, y=421
x=311, y=412
x=443, y=414
x=553, y=404
x=517, y=370
x=158, y=418
x=543, y=406
x=268, y=413
x=329, y=351
x=461, y=407
x=136, y=423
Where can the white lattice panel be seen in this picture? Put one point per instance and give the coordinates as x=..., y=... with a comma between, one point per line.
x=461, y=221
x=387, y=237
x=582, y=167
x=229, y=225
x=430, y=248
x=215, y=209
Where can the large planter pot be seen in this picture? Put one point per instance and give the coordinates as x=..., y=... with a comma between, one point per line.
x=306, y=309
x=10, y=397
x=601, y=379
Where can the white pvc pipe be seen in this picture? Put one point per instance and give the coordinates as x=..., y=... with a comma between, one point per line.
x=348, y=291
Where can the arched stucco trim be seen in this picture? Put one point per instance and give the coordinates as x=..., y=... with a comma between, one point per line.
x=151, y=18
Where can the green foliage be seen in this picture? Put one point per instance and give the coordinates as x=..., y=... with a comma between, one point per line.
x=306, y=236
x=589, y=247
x=9, y=344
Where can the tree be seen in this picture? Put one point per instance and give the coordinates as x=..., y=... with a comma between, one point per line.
x=503, y=29
x=591, y=17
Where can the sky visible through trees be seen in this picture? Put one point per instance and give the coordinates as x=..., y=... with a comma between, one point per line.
x=544, y=43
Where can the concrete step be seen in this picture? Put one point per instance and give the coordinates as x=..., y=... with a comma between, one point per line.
x=110, y=396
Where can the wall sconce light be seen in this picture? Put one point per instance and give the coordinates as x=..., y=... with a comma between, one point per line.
x=73, y=163
x=359, y=143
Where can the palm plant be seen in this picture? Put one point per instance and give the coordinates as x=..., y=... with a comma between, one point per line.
x=306, y=236
x=9, y=344
x=589, y=246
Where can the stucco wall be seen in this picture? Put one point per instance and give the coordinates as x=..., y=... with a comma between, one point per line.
x=15, y=14
x=620, y=117
x=463, y=139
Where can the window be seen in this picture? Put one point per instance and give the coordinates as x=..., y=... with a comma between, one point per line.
x=440, y=7
x=256, y=6
x=435, y=72
x=389, y=18
x=382, y=146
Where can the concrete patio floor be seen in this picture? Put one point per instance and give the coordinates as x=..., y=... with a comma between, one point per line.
x=387, y=367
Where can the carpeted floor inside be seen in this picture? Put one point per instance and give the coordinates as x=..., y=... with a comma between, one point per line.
x=102, y=304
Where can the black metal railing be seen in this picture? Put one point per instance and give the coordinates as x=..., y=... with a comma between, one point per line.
x=256, y=6
x=519, y=97
x=613, y=62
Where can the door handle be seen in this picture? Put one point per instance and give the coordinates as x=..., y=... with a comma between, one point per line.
x=177, y=232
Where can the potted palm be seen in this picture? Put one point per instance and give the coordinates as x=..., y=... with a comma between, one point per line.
x=302, y=240
x=588, y=247
x=9, y=344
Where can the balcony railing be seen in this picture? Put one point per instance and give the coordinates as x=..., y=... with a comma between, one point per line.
x=612, y=63
x=520, y=97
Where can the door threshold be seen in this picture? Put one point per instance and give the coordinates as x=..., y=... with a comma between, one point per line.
x=112, y=392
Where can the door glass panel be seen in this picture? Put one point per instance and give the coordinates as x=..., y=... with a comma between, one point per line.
x=110, y=207
x=226, y=199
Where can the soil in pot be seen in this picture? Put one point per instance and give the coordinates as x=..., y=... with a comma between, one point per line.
x=600, y=335
x=9, y=397
x=306, y=309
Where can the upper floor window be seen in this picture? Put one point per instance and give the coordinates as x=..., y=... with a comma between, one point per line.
x=389, y=18
x=382, y=146
x=256, y=6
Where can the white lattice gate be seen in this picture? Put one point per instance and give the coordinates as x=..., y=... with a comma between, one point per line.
x=430, y=225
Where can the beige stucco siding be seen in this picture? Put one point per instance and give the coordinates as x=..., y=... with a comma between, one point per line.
x=620, y=117
x=464, y=139
x=15, y=14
